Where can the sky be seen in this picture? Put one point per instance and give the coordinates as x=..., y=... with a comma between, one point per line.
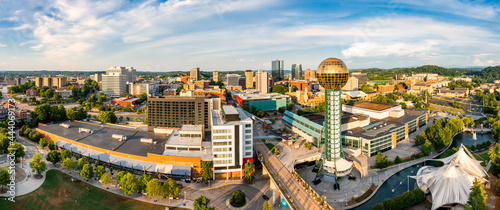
x=86, y=35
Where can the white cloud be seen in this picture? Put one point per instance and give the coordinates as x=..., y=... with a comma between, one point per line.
x=474, y=9
x=3, y=45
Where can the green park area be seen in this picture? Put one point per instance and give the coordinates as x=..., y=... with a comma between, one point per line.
x=52, y=195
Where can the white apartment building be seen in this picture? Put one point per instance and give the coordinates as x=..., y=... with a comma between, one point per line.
x=232, y=141
x=129, y=72
x=149, y=89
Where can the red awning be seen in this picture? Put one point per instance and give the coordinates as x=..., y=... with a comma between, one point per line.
x=247, y=159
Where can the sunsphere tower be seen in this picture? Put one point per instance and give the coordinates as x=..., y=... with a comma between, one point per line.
x=332, y=75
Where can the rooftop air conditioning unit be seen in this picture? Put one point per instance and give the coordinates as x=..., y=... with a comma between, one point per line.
x=146, y=140
x=64, y=125
x=119, y=137
x=85, y=130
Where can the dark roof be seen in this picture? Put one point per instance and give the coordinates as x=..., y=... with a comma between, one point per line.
x=372, y=105
x=101, y=138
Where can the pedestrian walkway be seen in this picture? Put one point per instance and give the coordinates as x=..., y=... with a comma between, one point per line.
x=27, y=185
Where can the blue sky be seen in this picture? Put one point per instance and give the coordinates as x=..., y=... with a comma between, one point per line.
x=241, y=34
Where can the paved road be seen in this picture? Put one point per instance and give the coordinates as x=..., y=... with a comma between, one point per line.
x=300, y=197
x=219, y=196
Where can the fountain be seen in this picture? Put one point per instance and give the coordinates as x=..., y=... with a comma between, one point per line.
x=474, y=135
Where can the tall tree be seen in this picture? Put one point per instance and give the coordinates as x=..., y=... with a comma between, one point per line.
x=106, y=179
x=68, y=164
x=201, y=203
x=54, y=157
x=18, y=148
x=38, y=164
x=4, y=177
x=248, y=171
x=143, y=181
x=99, y=171
x=87, y=172
x=65, y=153
x=477, y=197
x=207, y=170
x=129, y=184
x=154, y=189
x=81, y=162
x=427, y=147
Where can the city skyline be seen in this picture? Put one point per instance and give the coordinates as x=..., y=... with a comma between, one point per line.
x=228, y=35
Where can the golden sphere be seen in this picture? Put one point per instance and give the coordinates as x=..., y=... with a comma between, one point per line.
x=332, y=73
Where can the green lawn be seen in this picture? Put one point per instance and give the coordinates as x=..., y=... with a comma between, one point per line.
x=52, y=195
x=270, y=146
x=482, y=157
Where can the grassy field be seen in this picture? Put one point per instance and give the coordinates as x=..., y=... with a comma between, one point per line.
x=482, y=157
x=52, y=195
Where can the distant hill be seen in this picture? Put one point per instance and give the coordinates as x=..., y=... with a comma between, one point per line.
x=381, y=74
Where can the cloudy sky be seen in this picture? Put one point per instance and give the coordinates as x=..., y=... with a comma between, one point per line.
x=246, y=34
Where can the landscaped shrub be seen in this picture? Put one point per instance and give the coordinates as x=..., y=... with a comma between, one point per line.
x=237, y=199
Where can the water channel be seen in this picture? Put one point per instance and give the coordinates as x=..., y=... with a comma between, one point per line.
x=398, y=183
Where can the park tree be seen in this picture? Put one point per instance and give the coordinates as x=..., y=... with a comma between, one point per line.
x=65, y=153
x=68, y=164
x=477, y=197
x=99, y=171
x=42, y=143
x=381, y=161
x=106, y=179
x=248, y=172
x=37, y=164
x=107, y=117
x=201, y=203
x=51, y=145
x=87, y=172
x=154, y=189
x=119, y=176
x=4, y=177
x=171, y=188
x=54, y=157
x=207, y=170
x=81, y=162
x=143, y=181
x=427, y=147
x=468, y=121
x=42, y=112
x=129, y=184
x=135, y=119
x=17, y=148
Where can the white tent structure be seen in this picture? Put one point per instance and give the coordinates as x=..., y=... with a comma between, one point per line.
x=451, y=183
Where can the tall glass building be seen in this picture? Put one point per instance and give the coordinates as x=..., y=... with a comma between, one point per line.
x=278, y=69
x=296, y=71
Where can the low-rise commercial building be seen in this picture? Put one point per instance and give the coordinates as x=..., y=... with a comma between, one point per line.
x=266, y=102
x=455, y=93
x=367, y=127
x=65, y=92
x=125, y=101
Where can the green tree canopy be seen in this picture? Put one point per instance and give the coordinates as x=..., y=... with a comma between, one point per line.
x=68, y=164
x=87, y=172
x=207, y=170
x=37, y=164
x=129, y=184
x=201, y=203
x=99, y=171
x=54, y=157
x=154, y=189
x=107, y=117
x=106, y=179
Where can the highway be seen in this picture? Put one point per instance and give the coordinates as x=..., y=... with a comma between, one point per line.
x=301, y=199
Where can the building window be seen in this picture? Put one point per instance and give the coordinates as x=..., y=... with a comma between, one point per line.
x=248, y=136
x=248, y=142
x=248, y=153
x=248, y=148
x=248, y=131
x=248, y=125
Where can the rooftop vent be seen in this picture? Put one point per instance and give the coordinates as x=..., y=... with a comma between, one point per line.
x=119, y=137
x=64, y=125
x=85, y=130
x=146, y=140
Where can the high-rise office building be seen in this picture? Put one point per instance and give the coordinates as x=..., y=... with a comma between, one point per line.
x=175, y=111
x=309, y=75
x=195, y=73
x=232, y=80
x=296, y=71
x=278, y=70
x=129, y=72
x=114, y=83
x=262, y=82
x=232, y=141
x=215, y=76
x=96, y=77
x=352, y=84
x=249, y=79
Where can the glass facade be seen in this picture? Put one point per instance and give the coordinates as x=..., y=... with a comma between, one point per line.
x=303, y=124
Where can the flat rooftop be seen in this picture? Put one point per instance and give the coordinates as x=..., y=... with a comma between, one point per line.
x=229, y=110
x=101, y=138
x=255, y=96
x=319, y=118
x=176, y=139
x=372, y=105
x=192, y=128
x=218, y=120
x=380, y=127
